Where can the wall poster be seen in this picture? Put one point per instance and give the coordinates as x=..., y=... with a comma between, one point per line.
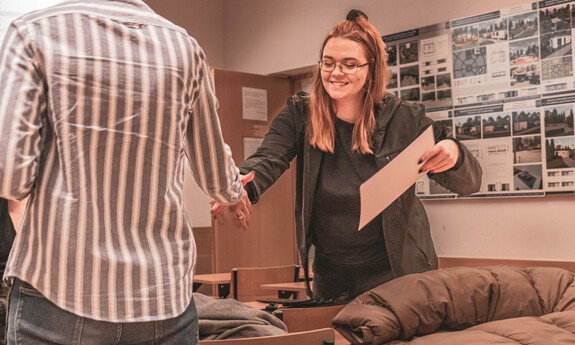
x=502, y=83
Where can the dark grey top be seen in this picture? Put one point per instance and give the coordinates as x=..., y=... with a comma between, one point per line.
x=336, y=207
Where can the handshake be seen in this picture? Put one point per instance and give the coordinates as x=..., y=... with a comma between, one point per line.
x=239, y=213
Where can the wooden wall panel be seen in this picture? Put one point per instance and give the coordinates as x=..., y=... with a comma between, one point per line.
x=205, y=256
x=270, y=240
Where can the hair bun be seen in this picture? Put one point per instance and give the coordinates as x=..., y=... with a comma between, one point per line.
x=354, y=14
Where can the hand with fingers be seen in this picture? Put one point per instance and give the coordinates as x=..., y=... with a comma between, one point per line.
x=441, y=157
x=241, y=212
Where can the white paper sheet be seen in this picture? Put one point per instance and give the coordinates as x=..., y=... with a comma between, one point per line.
x=251, y=145
x=389, y=183
x=255, y=104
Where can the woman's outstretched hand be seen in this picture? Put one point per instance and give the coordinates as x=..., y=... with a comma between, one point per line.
x=241, y=212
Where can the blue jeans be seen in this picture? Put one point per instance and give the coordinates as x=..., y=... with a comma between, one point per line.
x=33, y=319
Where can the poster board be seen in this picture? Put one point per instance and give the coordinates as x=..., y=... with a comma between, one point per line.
x=502, y=83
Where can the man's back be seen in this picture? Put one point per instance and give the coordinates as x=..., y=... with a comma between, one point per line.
x=107, y=89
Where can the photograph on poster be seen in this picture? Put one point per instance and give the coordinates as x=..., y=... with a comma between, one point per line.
x=526, y=122
x=428, y=83
x=428, y=97
x=443, y=81
x=464, y=37
x=408, y=52
x=492, y=31
x=410, y=94
x=525, y=75
x=447, y=126
x=496, y=125
x=468, y=127
x=554, y=19
x=391, y=55
x=560, y=152
x=523, y=25
x=559, y=121
x=556, y=44
x=392, y=81
x=527, y=149
x=444, y=94
x=527, y=177
x=524, y=51
x=409, y=76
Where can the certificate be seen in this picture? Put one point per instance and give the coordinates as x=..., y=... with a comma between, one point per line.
x=396, y=177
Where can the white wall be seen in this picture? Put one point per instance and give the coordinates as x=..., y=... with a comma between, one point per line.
x=269, y=36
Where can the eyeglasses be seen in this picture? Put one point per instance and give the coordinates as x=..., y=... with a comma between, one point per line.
x=348, y=68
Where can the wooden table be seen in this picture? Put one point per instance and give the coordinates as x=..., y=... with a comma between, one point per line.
x=287, y=290
x=222, y=280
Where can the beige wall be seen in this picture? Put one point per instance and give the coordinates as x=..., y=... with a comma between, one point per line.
x=268, y=36
x=201, y=18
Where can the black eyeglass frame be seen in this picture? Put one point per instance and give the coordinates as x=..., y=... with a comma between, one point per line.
x=357, y=67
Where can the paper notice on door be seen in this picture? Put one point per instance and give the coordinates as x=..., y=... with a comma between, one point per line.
x=396, y=177
x=255, y=104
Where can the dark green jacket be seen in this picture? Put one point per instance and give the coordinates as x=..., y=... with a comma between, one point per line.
x=405, y=223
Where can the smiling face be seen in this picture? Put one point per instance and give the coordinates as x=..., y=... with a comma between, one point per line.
x=344, y=87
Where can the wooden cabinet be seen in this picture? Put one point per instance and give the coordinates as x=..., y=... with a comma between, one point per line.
x=270, y=240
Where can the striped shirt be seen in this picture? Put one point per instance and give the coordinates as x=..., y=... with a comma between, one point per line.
x=101, y=102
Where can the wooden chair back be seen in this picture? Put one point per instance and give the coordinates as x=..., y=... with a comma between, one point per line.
x=323, y=336
x=246, y=281
x=305, y=319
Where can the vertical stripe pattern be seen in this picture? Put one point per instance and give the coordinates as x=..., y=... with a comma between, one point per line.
x=101, y=102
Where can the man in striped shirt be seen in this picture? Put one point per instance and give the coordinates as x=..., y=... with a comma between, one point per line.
x=101, y=102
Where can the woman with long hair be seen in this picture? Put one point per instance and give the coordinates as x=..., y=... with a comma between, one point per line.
x=341, y=134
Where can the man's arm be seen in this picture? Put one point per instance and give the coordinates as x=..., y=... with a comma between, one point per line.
x=22, y=101
x=210, y=158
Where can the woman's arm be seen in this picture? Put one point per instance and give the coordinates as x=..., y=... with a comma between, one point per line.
x=277, y=150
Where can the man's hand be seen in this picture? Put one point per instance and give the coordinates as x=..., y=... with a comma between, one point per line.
x=441, y=157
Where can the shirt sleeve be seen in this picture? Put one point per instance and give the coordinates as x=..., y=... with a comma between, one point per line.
x=210, y=158
x=22, y=101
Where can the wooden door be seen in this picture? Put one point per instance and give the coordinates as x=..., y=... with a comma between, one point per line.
x=270, y=240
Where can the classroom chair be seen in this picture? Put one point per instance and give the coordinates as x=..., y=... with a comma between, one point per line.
x=305, y=319
x=246, y=281
x=325, y=336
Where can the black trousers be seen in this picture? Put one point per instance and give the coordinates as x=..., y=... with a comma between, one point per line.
x=7, y=234
x=340, y=283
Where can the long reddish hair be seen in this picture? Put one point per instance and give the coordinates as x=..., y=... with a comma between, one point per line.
x=320, y=129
